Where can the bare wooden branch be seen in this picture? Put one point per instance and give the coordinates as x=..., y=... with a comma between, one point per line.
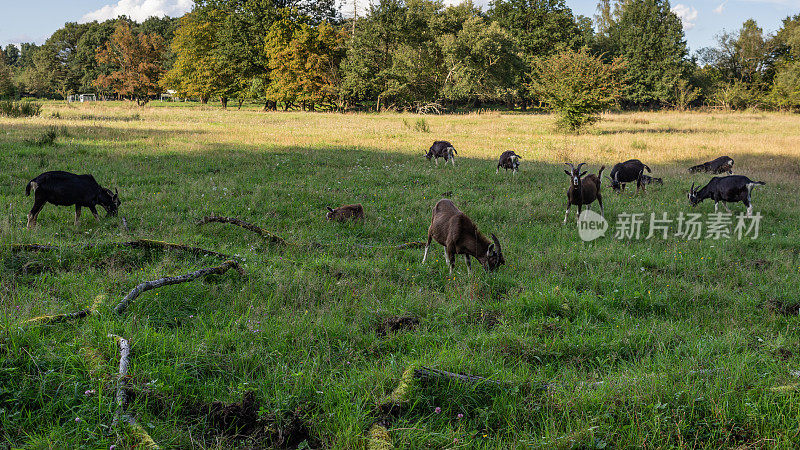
x=268, y=235
x=57, y=318
x=122, y=377
x=139, y=243
x=166, y=281
x=427, y=373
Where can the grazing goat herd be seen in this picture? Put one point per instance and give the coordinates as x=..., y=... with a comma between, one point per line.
x=450, y=227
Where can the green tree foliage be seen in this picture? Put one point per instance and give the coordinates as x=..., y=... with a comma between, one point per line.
x=304, y=62
x=482, y=61
x=200, y=69
x=650, y=38
x=11, y=53
x=785, y=93
x=6, y=82
x=577, y=85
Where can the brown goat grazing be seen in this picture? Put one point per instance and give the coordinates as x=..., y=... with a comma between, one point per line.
x=583, y=191
x=459, y=235
x=346, y=212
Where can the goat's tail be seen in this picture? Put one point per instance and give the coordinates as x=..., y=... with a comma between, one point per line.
x=600, y=172
x=32, y=185
x=757, y=183
x=648, y=168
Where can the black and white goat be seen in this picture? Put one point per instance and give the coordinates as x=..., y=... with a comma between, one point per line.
x=627, y=172
x=509, y=160
x=442, y=149
x=583, y=191
x=720, y=165
x=730, y=189
x=459, y=236
x=65, y=189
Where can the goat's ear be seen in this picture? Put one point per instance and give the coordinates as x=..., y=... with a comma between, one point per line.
x=497, y=243
x=567, y=172
x=329, y=208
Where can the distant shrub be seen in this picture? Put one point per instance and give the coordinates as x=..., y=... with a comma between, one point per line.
x=420, y=125
x=577, y=86
x=11, y=108
x=49, y=136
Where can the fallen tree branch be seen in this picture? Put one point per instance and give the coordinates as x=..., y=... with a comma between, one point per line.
x=58, y=318
x=120, y=415
x=166, y=281
x=122, y=378
x=268, y=235
x=139, y=243
x=427, y=373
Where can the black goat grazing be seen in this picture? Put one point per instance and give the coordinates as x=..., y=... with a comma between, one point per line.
x=583, y=191
x=730, y=189
x=64, y=189
x=627, y=172
x=509, y=160
x=720, y=165
x=645, y=180
x=442, y=149
x=459, y=236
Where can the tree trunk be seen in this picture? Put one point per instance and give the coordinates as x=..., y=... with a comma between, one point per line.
x=241, y=100
x=524, y=104
x=224, y=101
x=203, y=100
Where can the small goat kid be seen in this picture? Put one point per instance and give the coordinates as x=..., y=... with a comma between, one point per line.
x=459, y=236
x=583, y=191
x=646, y=179
x=509, y=160
x=346, y=212
x=720, y=165
x=65, y=189
x=730, y=189
x=442, y=149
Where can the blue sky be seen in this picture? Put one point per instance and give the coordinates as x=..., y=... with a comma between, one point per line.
x=35, y=20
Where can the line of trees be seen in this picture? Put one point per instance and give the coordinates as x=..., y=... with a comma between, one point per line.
x=415, y=55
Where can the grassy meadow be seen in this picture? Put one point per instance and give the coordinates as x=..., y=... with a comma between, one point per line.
x=606, y=344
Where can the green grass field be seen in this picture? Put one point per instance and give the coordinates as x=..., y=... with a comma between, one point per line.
x=607, y=344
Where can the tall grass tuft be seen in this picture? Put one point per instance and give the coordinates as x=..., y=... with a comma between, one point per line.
x=12, y=108
x=49, y=136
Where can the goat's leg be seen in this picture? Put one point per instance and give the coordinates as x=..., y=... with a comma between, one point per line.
x=566, y=213
x=469, y=264
x=716, y=206
x=77, y=214
x=427, y=246
x=600, y=202
x=726, y=207
x=94, y=212
x=38, y=204
x=436, y=159
x=450, y=257
x=578, y=214
x=749, y=206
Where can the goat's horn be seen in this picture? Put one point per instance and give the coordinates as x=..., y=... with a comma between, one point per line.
x=692, y=189
x=497, y=243
x=579, y=166
x=329, y=208
x=570, y=164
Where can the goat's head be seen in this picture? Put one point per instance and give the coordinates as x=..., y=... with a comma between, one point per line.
x=331, y=213
x=693, y=200
x=109, y=201
x=576, y=173
x=615, y=184
x=494, y=255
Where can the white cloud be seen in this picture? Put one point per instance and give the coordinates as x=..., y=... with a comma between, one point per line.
x=140, y=10
x=719, y=9
x=687, y=14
